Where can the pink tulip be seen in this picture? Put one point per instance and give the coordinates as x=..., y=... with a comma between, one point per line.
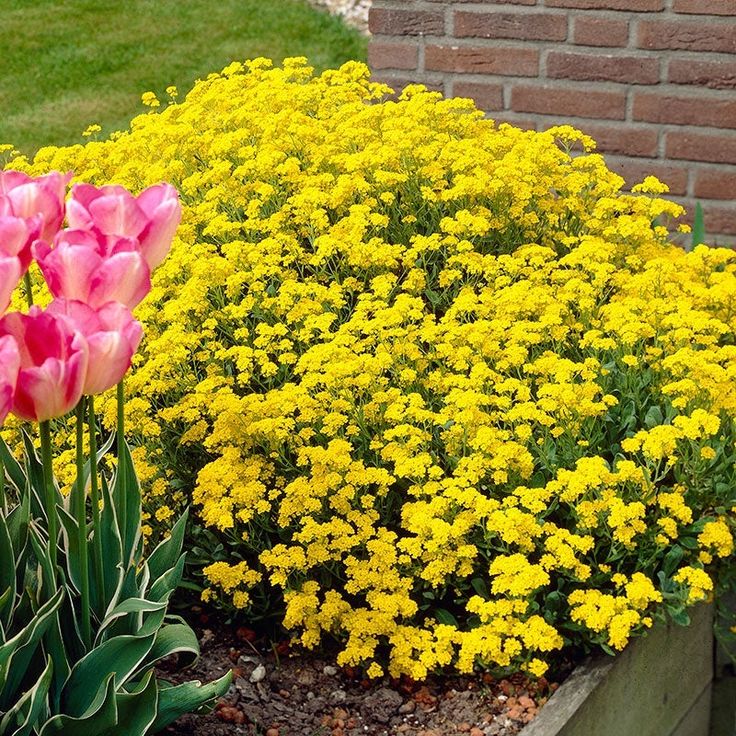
x=24, y=196
x=16, y=236
x=53, y=364
x=9, y=365
x=112, y=335
x=152, y=217
x=93, y=268
x=11, y=271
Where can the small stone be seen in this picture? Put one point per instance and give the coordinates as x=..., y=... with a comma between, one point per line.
x=310, y=695
x=526, y=702
x=273, y=732
x=337, y=696
x=258, y=674
x=464, y=727
x=407, y=707
x=329, y=670
x=475, y=731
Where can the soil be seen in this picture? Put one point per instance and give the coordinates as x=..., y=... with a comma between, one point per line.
x=285, y=691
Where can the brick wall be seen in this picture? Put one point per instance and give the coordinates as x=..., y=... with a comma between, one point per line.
x=653, y=81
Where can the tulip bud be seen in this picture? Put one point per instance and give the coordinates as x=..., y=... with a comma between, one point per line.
x=112, y=336
x=152, y=217
x=93, y=268
x=9, y=366
x=10, y=273
x=24, y=196
x=53, y=364
x=17, y=234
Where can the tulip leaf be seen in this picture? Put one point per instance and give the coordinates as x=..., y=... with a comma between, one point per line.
x=168, y=582
x=121, y=655
x=127, y=495
x=165, y=555
x=137, y=710
x=16, y=654
x=173, y=639
x=100, y=716
x=187, y=697
x=13, y=469
x=7, y=572
x=71, y=541
x=22, y=717
x=132, y=605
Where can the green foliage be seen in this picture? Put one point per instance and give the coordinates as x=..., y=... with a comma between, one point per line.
x=50, y=682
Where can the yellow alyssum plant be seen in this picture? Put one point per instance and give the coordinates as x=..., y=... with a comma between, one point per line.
x=440, y=381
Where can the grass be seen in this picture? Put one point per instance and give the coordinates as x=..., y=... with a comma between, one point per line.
x=69, y=63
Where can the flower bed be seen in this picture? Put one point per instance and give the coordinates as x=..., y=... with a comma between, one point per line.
x=442, y=384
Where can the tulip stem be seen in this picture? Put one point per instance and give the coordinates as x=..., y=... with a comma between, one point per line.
x=49, y=495
x=81, y=509
x=29, y=288
x=95, y=501
x=121, y=484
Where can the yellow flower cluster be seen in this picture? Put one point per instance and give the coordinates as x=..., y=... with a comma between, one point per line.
x=439, y=381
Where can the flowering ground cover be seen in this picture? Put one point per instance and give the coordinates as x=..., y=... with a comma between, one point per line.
x=436, y=388
x=90, y=61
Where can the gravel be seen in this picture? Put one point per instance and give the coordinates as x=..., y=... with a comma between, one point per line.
x=353, y=12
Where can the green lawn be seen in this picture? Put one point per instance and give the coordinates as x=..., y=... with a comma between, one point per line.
x=69, y=63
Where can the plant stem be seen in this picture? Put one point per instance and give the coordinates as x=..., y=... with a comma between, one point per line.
x=95, y=498
x=49, y=494
x=81, y=509
x=29, y=288
x=120, y=501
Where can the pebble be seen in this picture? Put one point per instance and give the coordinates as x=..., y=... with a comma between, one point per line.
x=407, y=707
x=475, y=731
x=258, y=674
x=273, y=732
x=353, y=12
x=329, y=670
x=337, y=696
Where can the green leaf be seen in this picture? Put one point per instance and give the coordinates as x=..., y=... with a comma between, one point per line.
x=7, y=572
x=132, y=605
x=480, y=586
x=672, y=559
x=168, y=582
x=71, y=541
x=13, y=468
x=698, y=234
x=99, y=718
x=166, y=554
x=18, y=653
x=121, y=656
x=187, y=697
x=173, y=639
x=679, y=615
x=137, y=710
x=445, y=617
x=22, y=717
x=654, y=417
x=127, y=493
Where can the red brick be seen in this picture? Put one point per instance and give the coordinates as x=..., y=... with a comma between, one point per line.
x=634, y=172
x=637, y=6
x=485, y=60
x=626, y=140
x=719, y=149
x=404, y=22
x=486, y=96
x=387, y=55
x=705, y=7
x=689, y=35
x=713, y=74
x=603, y=68
x=526, y=26
x=715, y=184
x=664, y=108
x=600, y=32
x=719, y=220
x=589, y=103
